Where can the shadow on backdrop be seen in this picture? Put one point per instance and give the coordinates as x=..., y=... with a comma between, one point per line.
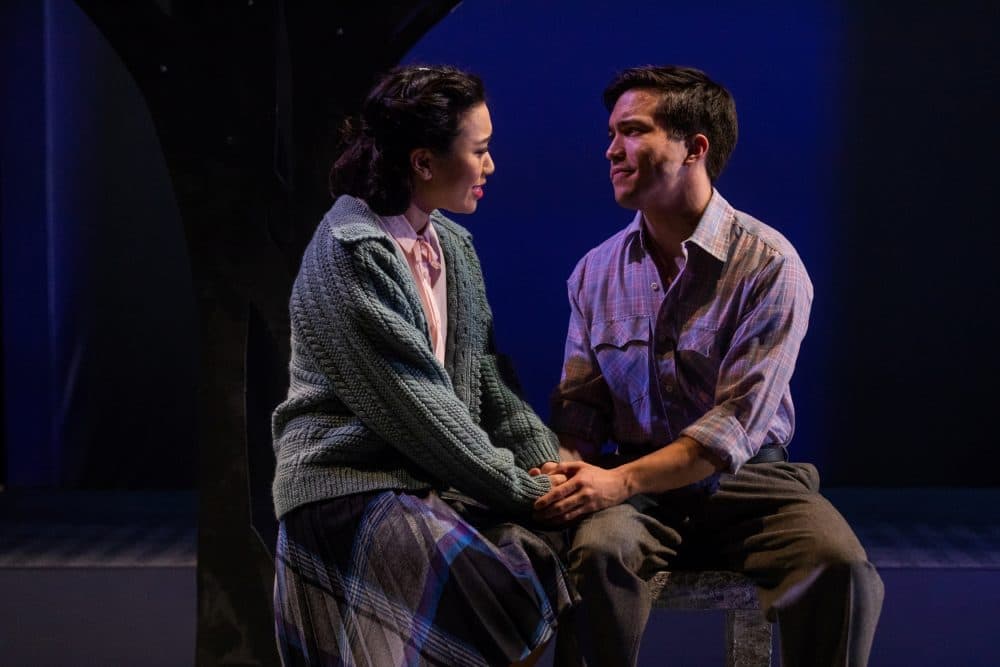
x=164, y=164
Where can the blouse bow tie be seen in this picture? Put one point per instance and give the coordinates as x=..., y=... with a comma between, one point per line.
x=425, y=252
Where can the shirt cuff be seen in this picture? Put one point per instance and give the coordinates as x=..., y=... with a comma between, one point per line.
x=724, y=435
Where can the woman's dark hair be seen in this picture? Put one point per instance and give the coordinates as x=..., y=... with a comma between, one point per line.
x=690, y=103
x=410, y=107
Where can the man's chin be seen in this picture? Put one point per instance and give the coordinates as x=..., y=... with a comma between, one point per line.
x=625, y=199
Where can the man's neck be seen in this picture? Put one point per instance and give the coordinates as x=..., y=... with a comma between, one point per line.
x=669, y=225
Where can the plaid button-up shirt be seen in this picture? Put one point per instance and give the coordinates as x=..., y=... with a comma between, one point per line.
x=710, y=356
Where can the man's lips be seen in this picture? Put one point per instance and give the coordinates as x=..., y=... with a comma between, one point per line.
x=620, y=171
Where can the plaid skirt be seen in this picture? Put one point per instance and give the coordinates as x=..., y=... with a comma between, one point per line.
x=395, y=578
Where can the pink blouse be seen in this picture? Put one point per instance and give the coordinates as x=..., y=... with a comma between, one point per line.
x=423, y=254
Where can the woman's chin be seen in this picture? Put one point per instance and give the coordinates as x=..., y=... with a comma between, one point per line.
x=464, y=209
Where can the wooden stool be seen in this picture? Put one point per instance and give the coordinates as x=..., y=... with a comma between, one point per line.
x=748, y=634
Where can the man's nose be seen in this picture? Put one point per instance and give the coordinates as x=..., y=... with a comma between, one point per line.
x=614, y=152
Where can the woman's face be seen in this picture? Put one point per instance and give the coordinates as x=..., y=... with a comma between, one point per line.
x=457, y=178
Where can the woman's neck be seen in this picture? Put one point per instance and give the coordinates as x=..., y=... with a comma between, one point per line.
x=417, y=217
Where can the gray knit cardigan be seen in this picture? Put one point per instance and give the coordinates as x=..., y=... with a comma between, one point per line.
x=369, y=406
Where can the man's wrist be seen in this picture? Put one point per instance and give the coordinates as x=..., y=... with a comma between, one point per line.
x=682, y=462
x=630, y=480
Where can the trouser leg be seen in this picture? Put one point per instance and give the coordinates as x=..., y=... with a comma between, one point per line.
x=614, y=553
x=814, y=577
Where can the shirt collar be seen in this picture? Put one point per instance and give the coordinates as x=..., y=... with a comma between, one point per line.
x=399, y=228
x=712, y=232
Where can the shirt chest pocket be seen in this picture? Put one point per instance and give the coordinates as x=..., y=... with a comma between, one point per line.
x=621, y=348
x=698, y=359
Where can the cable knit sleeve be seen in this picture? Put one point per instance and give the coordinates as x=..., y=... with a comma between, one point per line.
x=510, y=421
x=352, y=313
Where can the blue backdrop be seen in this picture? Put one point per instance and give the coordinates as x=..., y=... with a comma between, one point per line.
x=550, y=200
x=866, y=138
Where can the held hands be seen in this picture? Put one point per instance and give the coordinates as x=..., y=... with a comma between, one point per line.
x=549, y=468
x=586, y=489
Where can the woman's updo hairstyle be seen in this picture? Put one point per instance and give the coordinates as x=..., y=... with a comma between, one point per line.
x=410, y=107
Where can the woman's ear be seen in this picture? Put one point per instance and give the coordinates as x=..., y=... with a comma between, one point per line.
x=420, y=163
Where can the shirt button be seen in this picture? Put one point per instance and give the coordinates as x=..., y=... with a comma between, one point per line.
x=655, y=286
x=669, y=387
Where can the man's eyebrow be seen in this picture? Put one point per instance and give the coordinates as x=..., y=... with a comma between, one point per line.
x=625, y=122
x=631, y=120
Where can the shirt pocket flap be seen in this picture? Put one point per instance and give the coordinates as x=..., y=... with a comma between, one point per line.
x=701, y=339
x=621, y=348
x=620, y=333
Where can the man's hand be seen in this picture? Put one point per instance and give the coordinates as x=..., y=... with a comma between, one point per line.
x=587, y=489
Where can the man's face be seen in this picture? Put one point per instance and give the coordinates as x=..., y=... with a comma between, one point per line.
x=647, y=164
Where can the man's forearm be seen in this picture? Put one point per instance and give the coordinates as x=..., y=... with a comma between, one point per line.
x=680, y=463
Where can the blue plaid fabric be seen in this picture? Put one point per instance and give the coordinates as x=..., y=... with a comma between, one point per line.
x=392, y=578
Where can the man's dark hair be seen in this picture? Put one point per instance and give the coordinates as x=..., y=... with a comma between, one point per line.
x=690, y=103
x=410, y=107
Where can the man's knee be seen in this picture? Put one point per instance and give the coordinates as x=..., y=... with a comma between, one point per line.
x=607, y=535
x=825, y=538
x=615, y=538
x=843, y=560
x=836, y=547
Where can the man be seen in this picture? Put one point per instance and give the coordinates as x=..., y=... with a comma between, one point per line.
x=684, y=331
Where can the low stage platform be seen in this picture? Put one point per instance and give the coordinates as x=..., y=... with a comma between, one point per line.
x=100, y=578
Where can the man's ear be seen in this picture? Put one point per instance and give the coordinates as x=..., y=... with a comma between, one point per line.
x=697, y=147
x=420, y=163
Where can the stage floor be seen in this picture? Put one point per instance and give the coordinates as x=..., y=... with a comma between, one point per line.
x=98, y=578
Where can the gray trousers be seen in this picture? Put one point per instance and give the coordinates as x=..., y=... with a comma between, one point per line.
x=768, y=521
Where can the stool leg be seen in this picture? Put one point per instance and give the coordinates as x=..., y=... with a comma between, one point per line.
x=748, y=639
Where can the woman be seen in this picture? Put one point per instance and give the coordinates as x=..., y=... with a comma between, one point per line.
x=400, y=450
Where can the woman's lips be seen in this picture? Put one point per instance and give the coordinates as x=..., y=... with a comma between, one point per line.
x=477, y=191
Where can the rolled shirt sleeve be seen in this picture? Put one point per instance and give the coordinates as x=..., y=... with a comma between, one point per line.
x=756, y=369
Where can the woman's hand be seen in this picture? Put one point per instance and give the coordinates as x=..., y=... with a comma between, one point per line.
x=545, y=469
x=556, y=478
x=548, y=468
